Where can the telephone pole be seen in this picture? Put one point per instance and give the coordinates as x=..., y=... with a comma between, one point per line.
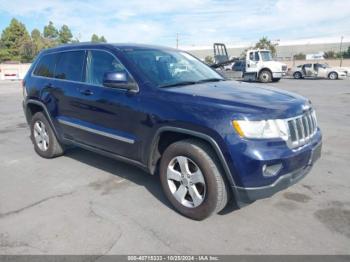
x=177, y=40
x=340, y=51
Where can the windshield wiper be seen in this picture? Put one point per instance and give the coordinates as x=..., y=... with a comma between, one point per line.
x=183, y=83
x=210, y=80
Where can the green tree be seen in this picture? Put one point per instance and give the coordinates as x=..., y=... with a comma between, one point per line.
x=50, y=31
x=35, y=34
x=265, y=43
x=329, y=55
x=300, y=56
x=28, y=51
x=38, y=41
x=96, y=39
x=65, y=35
x=209, y=60
x=103, y=39
x=12, y=40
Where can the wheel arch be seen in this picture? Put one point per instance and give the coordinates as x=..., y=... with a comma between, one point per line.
x=180, y=134
x=263, y=69
x=32, y=106
x=331, y=72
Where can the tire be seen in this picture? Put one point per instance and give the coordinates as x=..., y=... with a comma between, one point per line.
x=41, y=130
x=297, y=75
x=265, y=76
x=212, y=196
x=333, y=75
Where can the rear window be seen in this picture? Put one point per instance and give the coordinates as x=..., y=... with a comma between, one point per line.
x=70, y=65
x=46, y=66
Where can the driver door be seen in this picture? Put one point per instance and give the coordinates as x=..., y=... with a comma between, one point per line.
x=252, y=62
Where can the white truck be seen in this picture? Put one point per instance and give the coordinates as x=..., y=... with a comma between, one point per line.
x=261, y=67
x=257, y=65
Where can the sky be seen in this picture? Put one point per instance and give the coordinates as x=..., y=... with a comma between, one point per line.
x=197, y=22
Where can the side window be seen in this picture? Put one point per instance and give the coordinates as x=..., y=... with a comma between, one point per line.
x=251, y=56
x=70, y=65
x=256, y=58
x=308, y=65
x=46, y=66
x=98, y=63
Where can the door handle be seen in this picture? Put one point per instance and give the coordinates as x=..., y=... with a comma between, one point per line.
x=86, y=92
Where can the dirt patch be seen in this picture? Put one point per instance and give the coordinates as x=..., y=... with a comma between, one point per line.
x=297, y=197
x=106, y=186
x=336, y=219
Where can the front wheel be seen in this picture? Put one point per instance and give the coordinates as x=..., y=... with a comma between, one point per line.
x=333, y=76
x=191, y=179
x=265, y=76
x=297, y=75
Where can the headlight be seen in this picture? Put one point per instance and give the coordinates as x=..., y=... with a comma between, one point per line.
x=261, y=129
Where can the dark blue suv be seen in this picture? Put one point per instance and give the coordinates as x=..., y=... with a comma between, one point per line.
x=168, y=113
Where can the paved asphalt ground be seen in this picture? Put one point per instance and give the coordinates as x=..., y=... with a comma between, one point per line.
x=83, y=203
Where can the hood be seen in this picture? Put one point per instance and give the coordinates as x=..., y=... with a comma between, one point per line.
x=247, y=100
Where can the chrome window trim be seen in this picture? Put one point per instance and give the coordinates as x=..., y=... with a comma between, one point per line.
x=81, y=82
x=98, y=132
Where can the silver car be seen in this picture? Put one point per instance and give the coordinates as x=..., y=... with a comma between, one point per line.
x=317, y=70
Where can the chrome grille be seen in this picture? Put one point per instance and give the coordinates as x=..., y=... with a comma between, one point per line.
x=302, y=128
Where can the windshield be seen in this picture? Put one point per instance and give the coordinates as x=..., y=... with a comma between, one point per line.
x=266, y=56
x=165, y=68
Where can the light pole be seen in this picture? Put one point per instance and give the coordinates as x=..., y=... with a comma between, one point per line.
x=177, y=40
x=340, y=51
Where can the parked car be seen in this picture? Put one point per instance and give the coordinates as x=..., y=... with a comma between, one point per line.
x=209, y=139
x=317, y=70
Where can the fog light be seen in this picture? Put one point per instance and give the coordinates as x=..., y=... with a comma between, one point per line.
x=271, y=170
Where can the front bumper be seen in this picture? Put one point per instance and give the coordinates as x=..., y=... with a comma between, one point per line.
x=246, y=195
x=277, y=74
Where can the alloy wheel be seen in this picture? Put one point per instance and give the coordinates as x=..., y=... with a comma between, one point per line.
x=41, y=136
x=186, y=181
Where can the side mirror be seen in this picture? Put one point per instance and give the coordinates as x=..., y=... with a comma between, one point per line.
x=119, y=80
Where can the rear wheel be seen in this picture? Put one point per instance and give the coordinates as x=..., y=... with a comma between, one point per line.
x=191, y=179
x=265, y=76
x=333, y=76
x=297, y=75
x=43, y=137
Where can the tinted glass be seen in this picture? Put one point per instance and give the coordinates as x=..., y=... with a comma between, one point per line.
x=70, y=65
x=46, y=66
x=307, y=65
x=98, y=63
